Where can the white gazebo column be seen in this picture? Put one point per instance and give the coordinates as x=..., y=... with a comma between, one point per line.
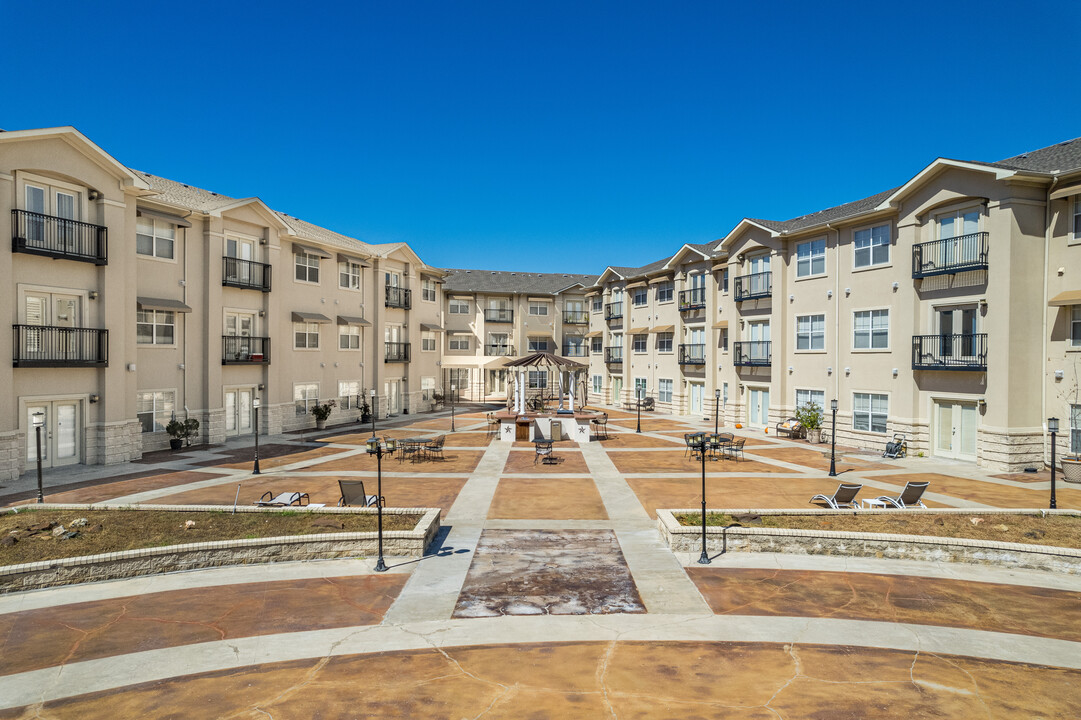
x=570, y=390
x=559, y=379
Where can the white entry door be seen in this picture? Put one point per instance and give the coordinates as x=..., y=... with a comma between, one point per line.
x=617, y=390
x=238, y=411
x=697, y=392
x=955, y=430
x=758, y=407
x=393, y=392
x=60, y=435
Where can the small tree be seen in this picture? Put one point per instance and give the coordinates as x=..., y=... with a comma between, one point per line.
x=809, y=415
x=191, y=429
x=321, y=411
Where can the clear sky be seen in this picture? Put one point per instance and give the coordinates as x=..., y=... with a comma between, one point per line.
x=547, y=136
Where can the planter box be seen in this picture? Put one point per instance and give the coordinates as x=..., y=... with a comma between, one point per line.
x=192, y=556
x=1071, y=470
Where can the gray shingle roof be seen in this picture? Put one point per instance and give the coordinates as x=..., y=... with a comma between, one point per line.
x=833, y=214
x=512, y=282
x=1060, y=157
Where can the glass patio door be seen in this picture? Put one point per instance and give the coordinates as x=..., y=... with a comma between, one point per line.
x=60, y=435
x=962, y=229
x=955, y=431
x=238, y=411
x=758, y=407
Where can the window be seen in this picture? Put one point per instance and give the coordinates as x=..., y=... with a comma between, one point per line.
x=1077, y=219
x=305, y=395
x=155, y=327
x=348, y=275
x=871, y=330
x=596, y=345
x=538, y=344
x=724, y=280
x=598, y=303
x=538, y=379
x=427, y=341
x=1075, y=429
x=664, y=292
x=349, y=395
x=640, y=387
x=724, y=339
x=869, y=412
x=598, y=384
x=811, y=258
x=459, y=342
x=306, y=335
x=459, y=307
x=307, y=267
x=873, y=246
x=155, y=238
x=641, y=296
x=1075, y=327
x=459, y=381
x=640, y=343
x=427, y=388
x=664, y=391
x=348, y=337
x=155, y=408
x=818, y=397
x=811, y=332
x=538, y=308
x=664, y=342
x=427, y=289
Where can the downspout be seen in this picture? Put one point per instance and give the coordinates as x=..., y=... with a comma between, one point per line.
x=836, y=316
x=1043, y=312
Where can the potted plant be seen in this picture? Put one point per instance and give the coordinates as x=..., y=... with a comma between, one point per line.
x=437, y=400
x=810, y=419
x=176, y=431
x=321, y=411
x=365, y=410
x=1071, y=468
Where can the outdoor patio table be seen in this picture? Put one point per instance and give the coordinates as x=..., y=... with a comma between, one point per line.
x=872, y=503
x=717, y=444
x=413, y=447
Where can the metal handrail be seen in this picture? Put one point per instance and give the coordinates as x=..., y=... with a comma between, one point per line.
x=505, y=349
x=613, y=310
x=575, y=317
x=396, y=297
x=755, y=285
x=54, y=346
x=949, y=352
x=692, y=299
x=613, y=354
x=500, y=315
x=575, y=350
x=39, y=234
x=245, y=274
x=245, y=350
x=950, y=255
x=692, y=354
x=396, y=352
x=752, y=353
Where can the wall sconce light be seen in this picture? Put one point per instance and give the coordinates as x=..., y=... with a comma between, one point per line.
x=791, y=369
x=829, y=293
x=322, y=364
x=983, y=405
x=741, y=323
x=848, y=291
x=896, y=285
x=261, y=386
x=791, y=298
x=848, y=371
x=262, y=313
x=895, y=372
x=741, y=388
x=983, y=303
x=181, y=366
x=131, y=367
x=335, y=364
x=95, y=398
x=1059, y=374
x=829, y=370
x=93, y=295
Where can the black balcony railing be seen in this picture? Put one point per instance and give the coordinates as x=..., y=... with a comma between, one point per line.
x=575, y=350
x=575, y=317
x=949, y=352
x=58, y=237
x=693, y=299
x=499, y=315
x=753, y=353
x=692, y=354
x=499, y=349
x=613, y=311
x=952, y=255
x=49, y=346
x=755, y=285
x=613, y=354
x=245, y=350
x=397, y=297
x=245, y=274
x=396, y=352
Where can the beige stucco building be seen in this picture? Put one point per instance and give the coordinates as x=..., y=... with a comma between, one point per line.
x=948, y=308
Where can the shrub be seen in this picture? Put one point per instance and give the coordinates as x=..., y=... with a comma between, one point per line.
x=322, y=411
x=809, y=416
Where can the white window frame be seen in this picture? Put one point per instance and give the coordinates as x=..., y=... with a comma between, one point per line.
x=1075, y=429
x=640, y=343
x=871, y=328
x=309, y=265
x=458, y=307
x=807, y=333
x=349, y=394
x=1076, y=230
x=724, y=281
x=598, y=304
x=537, y=380
x=871, y=245
x=427, y=388
x=666, y=292
x=596, y=345
x=155, y=319
x=156, y=240
x=724, y=340
x=665, y=388
x=598, y=384
x=537, y=343
x=665, y=342
x=815, y=251
x=458, y=341
x=305, y=395
x=428, y=290
x=1075, y=327
x=427, y=341
x=642, y=293
x=308, y=330
x=538, y=308
x=348, y=337
x=864, y=413
x=161, y=402
x=349, y=275
x=810, y=395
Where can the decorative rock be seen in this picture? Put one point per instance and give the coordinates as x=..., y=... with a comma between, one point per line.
x=41, y=527
x=189, y=524
x=81, y=522
x=93, y=528
x=9, y=541
x=58, y=531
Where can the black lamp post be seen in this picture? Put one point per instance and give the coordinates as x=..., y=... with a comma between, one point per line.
x=833, y=440
x=703, y=559
x=1052, y=427
x=379, y=450
x=452, y=388
x=373, y=412
x=716, y=410
x=255, y=408
x=639, y=391
x=39, y=421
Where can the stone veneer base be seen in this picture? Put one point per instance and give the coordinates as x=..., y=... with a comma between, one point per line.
x=682, y=538
x=192, y=556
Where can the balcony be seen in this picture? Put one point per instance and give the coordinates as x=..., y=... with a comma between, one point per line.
x=575, y=317
x=56, y=237
x=245, y=350
x=613, y=311
x=949, y=256
x=499, y=315
x=949, y=352
x=693, y=299
x=613, y=354
x=396, y=352
x=753, y=286
x=397, y=297
x=692, y=354
x=756, y=353
x=500, y=349
x=50, y=346
x=245, y=274
x=575, y=351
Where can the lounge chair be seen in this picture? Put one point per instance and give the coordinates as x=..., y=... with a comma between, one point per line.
x=544, y=452
x=353, y=495
x=790, y=427
x=736, y=448
x=843, y=497
x=435, y=447
x=909, y=497
x=284, y=499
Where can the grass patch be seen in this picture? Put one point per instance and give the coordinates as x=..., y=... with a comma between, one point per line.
x=1057, y=530
x=117, y=530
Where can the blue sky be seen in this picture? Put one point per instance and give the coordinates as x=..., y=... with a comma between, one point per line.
x=545, y=136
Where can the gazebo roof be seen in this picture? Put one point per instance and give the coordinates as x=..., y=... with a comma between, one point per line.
x=544, y=358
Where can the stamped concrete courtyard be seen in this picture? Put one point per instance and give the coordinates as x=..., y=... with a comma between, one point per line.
x=550, y=594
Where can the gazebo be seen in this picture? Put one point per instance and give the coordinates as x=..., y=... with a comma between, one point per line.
x=547, y=361
x=571, y=424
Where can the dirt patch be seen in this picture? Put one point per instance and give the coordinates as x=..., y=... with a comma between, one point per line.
x=33, y=535
x=1058, y=531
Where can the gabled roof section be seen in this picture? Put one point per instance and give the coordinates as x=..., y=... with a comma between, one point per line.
x=84, y=145
x=773, y=228
x=1061, y=157
x=704, y=251
x=499, y=281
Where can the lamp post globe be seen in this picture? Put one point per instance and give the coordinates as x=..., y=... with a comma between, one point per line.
x=39, y=422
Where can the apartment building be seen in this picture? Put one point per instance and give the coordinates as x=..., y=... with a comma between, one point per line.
x=495, y=316
x=135, y=299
